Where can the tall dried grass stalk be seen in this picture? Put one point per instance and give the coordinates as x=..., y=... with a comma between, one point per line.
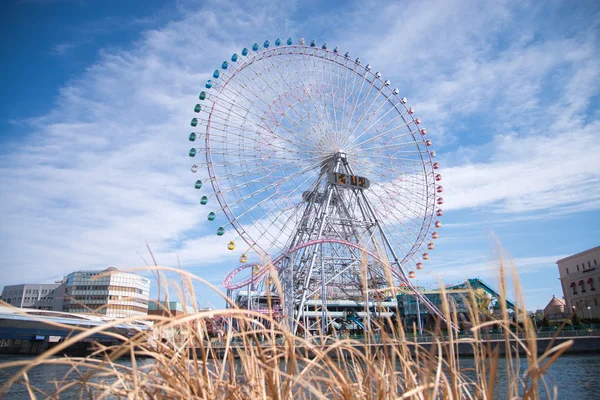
x=260, y=358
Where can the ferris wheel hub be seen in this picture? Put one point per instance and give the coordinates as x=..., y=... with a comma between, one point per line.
x=341, y=155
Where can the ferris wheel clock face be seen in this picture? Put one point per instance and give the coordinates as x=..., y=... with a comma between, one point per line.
x=273, y=118
x=345, y=180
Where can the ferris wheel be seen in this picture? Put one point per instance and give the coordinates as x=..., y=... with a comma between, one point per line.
x=308, y=150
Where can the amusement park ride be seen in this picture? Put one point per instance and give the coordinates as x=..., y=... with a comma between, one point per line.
x=321, y=169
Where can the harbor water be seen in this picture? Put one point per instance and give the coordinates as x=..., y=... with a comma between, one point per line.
x=575, y=375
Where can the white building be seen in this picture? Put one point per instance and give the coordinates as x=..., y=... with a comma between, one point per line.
x=39, y=296
x=580, y=280
x=107, y=292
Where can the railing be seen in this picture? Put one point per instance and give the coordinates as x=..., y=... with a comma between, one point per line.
x=501, y=336
x=484, y=336
x=569, y=328
x=493, y=336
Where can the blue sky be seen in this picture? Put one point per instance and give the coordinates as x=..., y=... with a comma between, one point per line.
x=95, y=115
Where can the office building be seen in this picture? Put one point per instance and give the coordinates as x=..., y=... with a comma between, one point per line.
x=107, y=292
x=47, y=296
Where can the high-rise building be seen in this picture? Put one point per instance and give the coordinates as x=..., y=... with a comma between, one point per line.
x=47, y=296
x=108, y=292
x=580, y=280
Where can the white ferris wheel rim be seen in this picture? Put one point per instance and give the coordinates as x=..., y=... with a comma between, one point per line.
x=235, y=202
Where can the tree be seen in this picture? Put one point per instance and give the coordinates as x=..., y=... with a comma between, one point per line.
x=576, y=320
x=545, y=322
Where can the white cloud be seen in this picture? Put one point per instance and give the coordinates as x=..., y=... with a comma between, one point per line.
x=531, y=173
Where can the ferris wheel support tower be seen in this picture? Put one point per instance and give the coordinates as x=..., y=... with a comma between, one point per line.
x=308, y=271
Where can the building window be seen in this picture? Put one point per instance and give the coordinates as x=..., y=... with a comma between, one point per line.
x=567, y=270
x=589, y=264
x=594, y=261
x=596, y=302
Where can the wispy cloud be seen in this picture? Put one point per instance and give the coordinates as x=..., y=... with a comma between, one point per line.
x=63, y=48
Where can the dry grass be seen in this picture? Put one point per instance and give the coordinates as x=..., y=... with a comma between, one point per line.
x=264, y=360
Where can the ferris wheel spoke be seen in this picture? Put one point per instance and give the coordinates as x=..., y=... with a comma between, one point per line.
x=333, y=90
x=274, y=236
x=239, y=216
x=262, y=118
x=257, y=125
x=356, y=105
x=351, y=99
x=366, y=109
x=256, y=174
x=385, y=200
x=397, y=147
x=309, y=122
x=399, y=191
x=307, y=179
x=367, y=129
x=336, y=70
x=303, y=66
x=272, y=185
x=277, y=219
x=345, y=96
x=395, y=128
x=323, y=85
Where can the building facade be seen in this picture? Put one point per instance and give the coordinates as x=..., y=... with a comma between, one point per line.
x=555, y=310
x=168, y=308
x=107, y=292
x=580, y=281
x=39, y=296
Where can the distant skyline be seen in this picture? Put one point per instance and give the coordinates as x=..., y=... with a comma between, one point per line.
x=97, y=98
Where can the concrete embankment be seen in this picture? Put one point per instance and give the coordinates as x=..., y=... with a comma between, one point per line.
x=580, y=345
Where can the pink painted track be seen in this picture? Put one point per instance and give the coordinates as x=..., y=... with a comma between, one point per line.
x=265, y=268
x=227, y=282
